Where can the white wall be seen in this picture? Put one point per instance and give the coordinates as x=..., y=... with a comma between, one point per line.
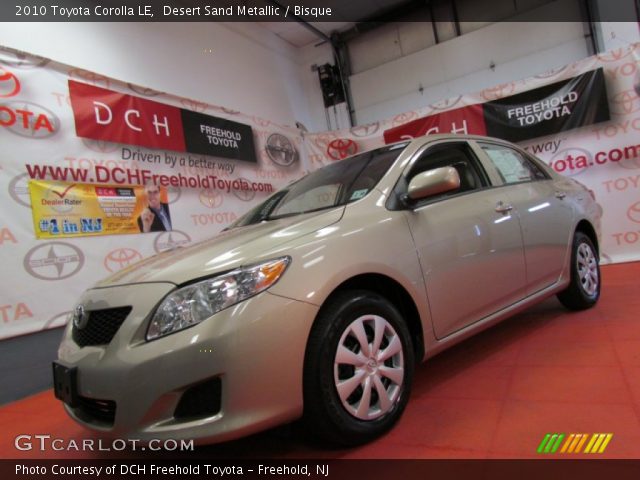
x=462, y=65
x=250, y=69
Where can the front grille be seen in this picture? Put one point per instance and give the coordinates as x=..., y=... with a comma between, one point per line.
x=101, y=327
x=92, y=410
x=201, y=400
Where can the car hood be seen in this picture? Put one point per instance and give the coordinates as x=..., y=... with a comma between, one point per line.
x=226, y=251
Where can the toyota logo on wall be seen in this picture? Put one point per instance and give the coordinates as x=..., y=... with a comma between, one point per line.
x=210, y=198
x=144, y=91
x=633, y=212
x=446, y=104
x=53, y=261
x=121, y=257
x=173, y=194
x=244, y=195
x=17, y=59
x=91, y=77
x=9, y=84
x=625, y=102
x=280, y=150
x=100, y=146
x=19, y=190
x=170, y=240
x=342, y=148
x=29, y=120
x=365, y=130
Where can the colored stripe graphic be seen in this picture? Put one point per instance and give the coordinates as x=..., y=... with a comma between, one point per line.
x=596, y=443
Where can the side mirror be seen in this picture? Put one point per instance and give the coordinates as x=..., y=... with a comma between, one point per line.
x=433, y=182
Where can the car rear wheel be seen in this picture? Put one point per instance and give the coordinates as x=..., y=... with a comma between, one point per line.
x=584, y=289
x=358, y=368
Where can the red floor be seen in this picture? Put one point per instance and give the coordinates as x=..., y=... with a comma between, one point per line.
x=493, y=396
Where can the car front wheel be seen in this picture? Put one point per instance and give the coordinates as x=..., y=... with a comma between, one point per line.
x=358, y=368
x=584, y=290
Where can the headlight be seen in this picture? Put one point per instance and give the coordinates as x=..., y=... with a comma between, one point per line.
x=192, y=304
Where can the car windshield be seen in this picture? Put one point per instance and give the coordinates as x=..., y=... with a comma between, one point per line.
x=331, y=186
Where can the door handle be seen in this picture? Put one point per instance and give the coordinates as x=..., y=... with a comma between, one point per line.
x=503, y=207
x=560, y=195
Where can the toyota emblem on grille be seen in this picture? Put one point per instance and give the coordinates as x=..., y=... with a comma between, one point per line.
x=80, y=317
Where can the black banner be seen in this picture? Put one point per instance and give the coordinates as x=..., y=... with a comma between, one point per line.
x=217, y=137
x=547, y=110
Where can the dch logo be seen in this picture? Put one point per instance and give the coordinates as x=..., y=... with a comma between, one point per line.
x=280, y=150
x=17, y=59
x=633, y=212
x=121, y=257
x=365, y=130
x=342, y=148
x=53, y=261
x=29, y=120
x=170, y=240
x=244, y=195
x=144, y=91
x=210, y=198
x=9, y=84
x=625, y=102
x=19, y=190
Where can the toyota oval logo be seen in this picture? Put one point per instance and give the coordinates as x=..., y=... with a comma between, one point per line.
x=9, y=84
x=80, y=317
x=29, y=120
x=280, y=150
x=120, y=258
x=170, y=240
x=53, y=261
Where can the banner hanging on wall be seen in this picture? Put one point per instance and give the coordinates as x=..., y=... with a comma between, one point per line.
x=546, y=110
x=582, y=119
x=65, y=196
x=102, y=114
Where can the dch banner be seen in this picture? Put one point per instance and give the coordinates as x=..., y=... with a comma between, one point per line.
x=582, y=119
x=546, y=110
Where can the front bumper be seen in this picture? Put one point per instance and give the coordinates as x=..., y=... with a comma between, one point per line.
x=256, y=348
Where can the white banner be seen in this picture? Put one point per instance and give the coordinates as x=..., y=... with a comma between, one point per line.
x=605, y=156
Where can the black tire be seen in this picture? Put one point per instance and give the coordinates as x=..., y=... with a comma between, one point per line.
x=584, y=290
x=330, y=417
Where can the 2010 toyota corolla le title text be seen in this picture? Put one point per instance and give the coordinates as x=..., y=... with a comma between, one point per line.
x=319, y=301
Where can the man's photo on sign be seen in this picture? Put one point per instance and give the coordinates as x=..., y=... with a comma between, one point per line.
x=155, y=216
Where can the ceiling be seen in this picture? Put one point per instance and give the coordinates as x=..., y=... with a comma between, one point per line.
x=352, y=10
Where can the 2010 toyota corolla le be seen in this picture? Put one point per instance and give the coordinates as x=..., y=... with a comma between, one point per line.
x=319, y=302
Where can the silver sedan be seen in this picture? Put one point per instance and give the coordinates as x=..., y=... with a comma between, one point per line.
x=319, y=302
